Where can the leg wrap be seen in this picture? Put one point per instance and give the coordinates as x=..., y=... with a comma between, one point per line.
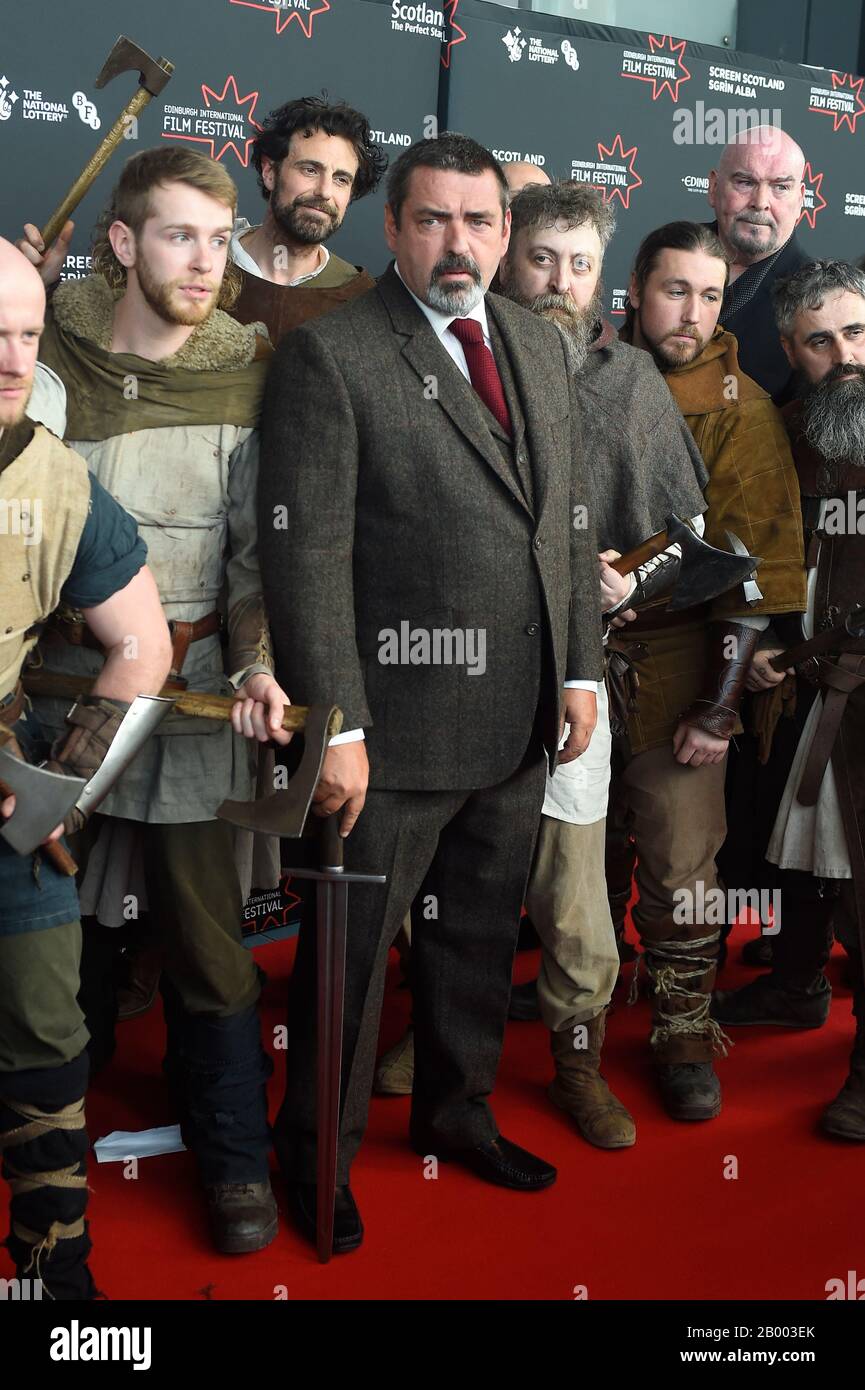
x=682, y=974
x=222, y=1071
x=44, y=1144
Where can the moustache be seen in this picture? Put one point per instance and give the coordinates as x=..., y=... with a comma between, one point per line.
x=842, y=370
x=317, y=204
x=453, y=262
x=757, y=219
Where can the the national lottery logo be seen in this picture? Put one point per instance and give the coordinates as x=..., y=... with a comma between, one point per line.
x=570, y=54
x=284, y=11
x=225, y=122
x=814, y=201
x=613, y=172
x=86, y=110
x=8, y=99
x=662, y=65
x=842, y=101
x=515, y=43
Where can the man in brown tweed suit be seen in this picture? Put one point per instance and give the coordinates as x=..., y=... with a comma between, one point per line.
x=437, y=579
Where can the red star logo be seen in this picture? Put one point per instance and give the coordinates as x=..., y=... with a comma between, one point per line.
x=451, y=27
x=281, y=918
x=812, y=181
x=284, y=16
x=617, y=149
x=851, y=117
x=234, y=103
x=665, y=44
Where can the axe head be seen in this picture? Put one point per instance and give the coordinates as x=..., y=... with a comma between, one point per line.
x=705, y=571
x=284, y=813
x=43, y=799
x=126, y=56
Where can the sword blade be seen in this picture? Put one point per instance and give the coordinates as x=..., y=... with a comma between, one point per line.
x=331, y=923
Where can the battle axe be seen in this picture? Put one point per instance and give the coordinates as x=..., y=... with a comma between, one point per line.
x=153, y=75
x=44, y=798
x=704, y=571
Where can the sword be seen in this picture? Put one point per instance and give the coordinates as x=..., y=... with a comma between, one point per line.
x=331, y=882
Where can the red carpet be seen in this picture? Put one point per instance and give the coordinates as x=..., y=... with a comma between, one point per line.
x=659, y=1221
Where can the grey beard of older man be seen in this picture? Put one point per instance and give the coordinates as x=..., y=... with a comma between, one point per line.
x=833, y=418
x=576, y=325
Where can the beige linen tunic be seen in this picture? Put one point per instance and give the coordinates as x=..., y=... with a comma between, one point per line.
x=192, y=490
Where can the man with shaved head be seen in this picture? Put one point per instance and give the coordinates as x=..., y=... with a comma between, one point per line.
x=521, y=173
x=68, y=541
x=757, y=192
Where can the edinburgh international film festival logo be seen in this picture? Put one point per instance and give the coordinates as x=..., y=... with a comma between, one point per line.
x=226, y=121
x=842, y=101
x=663, y=65
x=814, y=201
x=284, y=11
x=613, y=172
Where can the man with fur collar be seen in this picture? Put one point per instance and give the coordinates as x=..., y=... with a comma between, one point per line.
x=164, y=392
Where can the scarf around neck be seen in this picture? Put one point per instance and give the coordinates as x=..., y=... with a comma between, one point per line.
x=217, y=377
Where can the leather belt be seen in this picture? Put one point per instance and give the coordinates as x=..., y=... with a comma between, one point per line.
x=183, y=634
x=839, y=681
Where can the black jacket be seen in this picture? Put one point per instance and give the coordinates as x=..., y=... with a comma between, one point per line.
x=761, y=355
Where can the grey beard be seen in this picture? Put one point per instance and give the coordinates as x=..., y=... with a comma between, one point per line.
x=575, y=325
x=833, y=419
x=742, y=243
x=455, y=300
x=459, y=302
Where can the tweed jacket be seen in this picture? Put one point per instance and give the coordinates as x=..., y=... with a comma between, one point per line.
x=406, y=510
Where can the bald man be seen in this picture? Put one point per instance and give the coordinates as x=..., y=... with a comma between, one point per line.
x=757, y=192
x=77, y=547
x=521, y=173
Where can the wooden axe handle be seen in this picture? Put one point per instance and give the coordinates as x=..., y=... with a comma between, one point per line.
x=647, y=551
x=196, y=704
x=94, y=166
x=60, y=857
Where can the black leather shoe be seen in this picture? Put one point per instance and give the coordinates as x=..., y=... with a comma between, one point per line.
x=505, y=1164
x=769, y=1001
x=242, y=1216
x=347, y=1225
x=524, y=1006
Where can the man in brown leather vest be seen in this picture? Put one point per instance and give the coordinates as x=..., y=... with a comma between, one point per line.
x=817, y=841
x=313, y=159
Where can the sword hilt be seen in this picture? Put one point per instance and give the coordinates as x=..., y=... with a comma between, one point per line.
x=332, y=845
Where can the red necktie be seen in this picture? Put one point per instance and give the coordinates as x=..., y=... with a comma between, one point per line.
x=483, y=370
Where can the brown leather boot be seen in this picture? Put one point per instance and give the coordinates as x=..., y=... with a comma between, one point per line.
x=580, y=1089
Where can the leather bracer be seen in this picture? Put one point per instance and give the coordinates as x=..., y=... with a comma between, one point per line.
x=93, y=720
x=731, y=648
x=653, y=580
